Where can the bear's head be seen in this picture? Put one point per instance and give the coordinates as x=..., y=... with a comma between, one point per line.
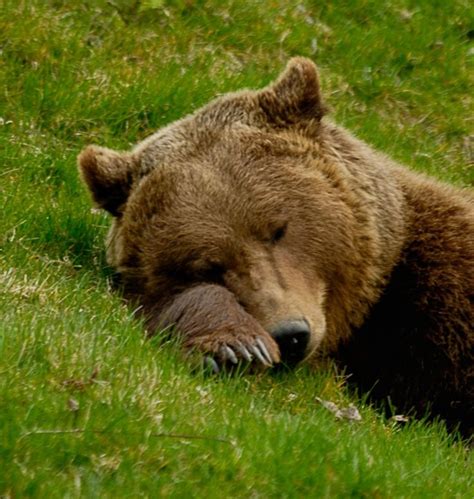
x=247, y=194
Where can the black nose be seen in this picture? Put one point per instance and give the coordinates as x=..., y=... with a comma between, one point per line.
x=292, y=338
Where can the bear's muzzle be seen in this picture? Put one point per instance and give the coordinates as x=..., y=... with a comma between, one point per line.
x=292, y=337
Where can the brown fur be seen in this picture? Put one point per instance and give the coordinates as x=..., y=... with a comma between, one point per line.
x=209, y=319
x=289, y=216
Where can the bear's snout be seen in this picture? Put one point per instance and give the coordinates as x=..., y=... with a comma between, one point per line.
x=292, y=337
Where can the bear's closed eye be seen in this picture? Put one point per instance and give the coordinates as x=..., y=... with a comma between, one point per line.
x=279, y=233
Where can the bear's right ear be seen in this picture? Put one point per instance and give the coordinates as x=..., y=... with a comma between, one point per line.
x=108, y=175
x=295, y=95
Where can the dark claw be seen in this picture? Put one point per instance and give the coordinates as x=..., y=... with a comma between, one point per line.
x=212, y=364
x=245, y=353
x=264, y=350
x=229, y=354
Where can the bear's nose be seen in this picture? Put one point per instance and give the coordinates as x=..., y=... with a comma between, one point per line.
x=292, y=337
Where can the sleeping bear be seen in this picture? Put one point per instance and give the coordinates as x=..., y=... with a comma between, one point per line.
x=265, y=233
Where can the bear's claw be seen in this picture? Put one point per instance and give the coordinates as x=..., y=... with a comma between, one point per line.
x=212, y=364
x=264, y=351
x=255, y=350
x=229, y=354
x=245, y=353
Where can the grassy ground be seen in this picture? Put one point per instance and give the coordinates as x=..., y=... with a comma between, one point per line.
x=87, y=407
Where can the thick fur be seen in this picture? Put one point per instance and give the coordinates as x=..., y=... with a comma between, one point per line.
x=209, y=320
x=269, y=212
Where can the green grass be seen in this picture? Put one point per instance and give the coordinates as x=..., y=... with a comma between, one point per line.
x=88, y=407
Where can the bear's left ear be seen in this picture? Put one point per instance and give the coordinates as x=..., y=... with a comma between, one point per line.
x=295, y=95
x=109, y=176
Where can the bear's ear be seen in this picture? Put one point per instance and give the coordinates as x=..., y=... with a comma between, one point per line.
x=295, y=95
x=109, y=176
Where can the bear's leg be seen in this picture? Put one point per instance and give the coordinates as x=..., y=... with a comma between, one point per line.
x=210, y=321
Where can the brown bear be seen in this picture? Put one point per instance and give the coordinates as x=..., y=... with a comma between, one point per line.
x=264, y=233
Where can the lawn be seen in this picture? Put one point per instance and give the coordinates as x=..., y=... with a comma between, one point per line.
x=88, y=407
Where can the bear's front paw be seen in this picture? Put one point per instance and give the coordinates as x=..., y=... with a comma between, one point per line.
x=211, y=322
x=229, y=351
